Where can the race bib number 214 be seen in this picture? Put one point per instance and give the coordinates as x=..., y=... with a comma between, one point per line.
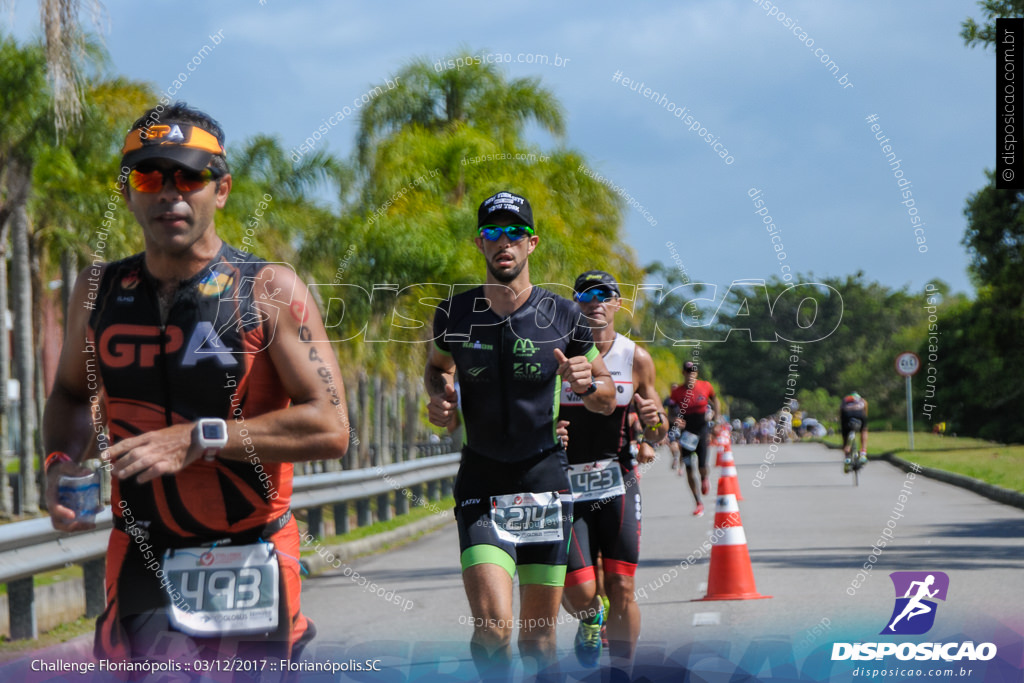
x=527, y=517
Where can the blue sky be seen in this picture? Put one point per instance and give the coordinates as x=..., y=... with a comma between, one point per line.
x=793, y=131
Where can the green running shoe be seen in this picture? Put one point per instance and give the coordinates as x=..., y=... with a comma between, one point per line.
x=604, y=626
x=588, y=641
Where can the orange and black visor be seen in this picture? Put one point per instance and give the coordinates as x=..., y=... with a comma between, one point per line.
x=189, y=145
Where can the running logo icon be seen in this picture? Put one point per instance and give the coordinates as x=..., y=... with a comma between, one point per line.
x=916, y=592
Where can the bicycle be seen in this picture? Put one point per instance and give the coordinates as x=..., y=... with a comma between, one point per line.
x=851, y=438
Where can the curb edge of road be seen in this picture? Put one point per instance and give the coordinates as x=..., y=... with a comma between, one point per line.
x=997, y=493
x=315, y=563
x=982, y=488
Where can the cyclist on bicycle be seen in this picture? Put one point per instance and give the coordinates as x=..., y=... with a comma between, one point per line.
x=853, y=407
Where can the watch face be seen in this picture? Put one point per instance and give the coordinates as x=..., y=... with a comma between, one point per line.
x=212, y=431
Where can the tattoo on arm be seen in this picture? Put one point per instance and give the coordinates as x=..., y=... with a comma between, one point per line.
x=323, y=370
x=299, y=311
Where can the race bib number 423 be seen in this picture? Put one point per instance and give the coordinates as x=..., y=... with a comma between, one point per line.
x=230, y=590
x=596, y=480
x=527, y=517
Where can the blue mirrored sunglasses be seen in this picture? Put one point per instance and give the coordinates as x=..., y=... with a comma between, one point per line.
x=597, y=293
x=493, y=233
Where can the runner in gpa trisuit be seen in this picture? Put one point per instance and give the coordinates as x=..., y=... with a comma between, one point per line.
x=212, y=372
x=512, y=345
x=603, y=474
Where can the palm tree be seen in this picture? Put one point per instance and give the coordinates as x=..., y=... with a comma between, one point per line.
x=422, y=153
x=477, y=94
x=74, y=183
x=26, y=119
x=273, y=205
x=54, y=195
x=66, y=46
x=418, y=147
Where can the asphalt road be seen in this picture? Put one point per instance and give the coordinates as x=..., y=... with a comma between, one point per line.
x=809, y=533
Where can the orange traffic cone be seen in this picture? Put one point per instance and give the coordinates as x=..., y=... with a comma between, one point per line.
x=730, y=576
x=720, y=458
x=728, y=482
x=729, y=469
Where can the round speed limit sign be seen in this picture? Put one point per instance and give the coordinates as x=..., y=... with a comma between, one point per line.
x=907, y=364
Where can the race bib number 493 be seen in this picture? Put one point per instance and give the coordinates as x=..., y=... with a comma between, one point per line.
x=527, y=517
x=221, y=591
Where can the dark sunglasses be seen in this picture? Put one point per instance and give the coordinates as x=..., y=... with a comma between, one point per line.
x=597, y=293
x=185, y=180
x=493, y=233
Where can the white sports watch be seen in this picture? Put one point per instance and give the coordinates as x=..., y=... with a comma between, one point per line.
x=211, y=433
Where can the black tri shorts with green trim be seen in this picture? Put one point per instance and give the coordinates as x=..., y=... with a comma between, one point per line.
x=517, y=515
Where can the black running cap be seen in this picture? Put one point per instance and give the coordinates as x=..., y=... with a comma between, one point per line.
x=596, y=278
x=510, y=203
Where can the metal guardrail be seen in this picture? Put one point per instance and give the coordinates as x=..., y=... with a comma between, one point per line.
x=321, y=489
x=34, y=546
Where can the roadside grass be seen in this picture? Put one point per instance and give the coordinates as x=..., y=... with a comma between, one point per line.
x=998, y=464
x=437, y=507
x=12, y=649
x=56, y=576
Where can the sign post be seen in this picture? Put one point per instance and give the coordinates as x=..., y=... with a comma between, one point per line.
x=907, y=364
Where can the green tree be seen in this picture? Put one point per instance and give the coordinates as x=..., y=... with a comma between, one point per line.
x=65, y=48
x=843, y=328
x=422, y=169
x=475, y=94
x=978, y=382
x=76, y=205
x=26, y=119
x=821, y=405
x=274, y=206
x=995, y=241
x=985, y=34
x=423, y=151
x=277, y=211
x=981, y=362
x=980, y=354
x=54, y=193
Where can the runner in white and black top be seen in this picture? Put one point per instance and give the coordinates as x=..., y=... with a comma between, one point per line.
x=605, y=483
